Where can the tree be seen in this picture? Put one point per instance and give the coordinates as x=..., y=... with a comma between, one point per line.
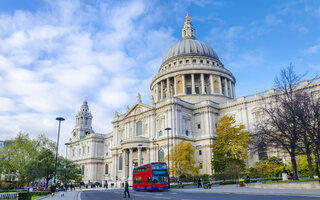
x=68, y=171
x=310, y=122
x=281, y=126
x=16, y=155
x=230, y=145
x=182, y=159
x=269, y=167
x=42, y=166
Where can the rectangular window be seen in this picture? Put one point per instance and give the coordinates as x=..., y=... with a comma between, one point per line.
x=189, y=90
x=200, y=152
x=197, y=90
x=187, y=61
x=201, y=61
x=194, y=61
x=199, y=126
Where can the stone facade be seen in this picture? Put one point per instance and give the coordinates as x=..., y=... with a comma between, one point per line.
x=190, y=93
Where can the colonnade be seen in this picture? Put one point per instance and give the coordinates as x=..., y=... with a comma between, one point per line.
x=195, y=83
x=127, y=157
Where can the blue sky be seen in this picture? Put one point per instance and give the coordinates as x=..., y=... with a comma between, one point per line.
x=54, y=53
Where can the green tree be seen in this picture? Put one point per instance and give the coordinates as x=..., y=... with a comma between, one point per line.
x=230, y=145
x=16, y=155
x=41, y=166
x=68, y=171
x=182, y=159
x=269, y=167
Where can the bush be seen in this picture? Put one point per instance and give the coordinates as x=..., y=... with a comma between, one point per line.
x=25, y=196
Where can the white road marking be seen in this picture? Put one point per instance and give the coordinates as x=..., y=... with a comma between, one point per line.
x=161, y=197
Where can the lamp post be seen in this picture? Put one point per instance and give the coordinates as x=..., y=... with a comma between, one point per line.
x=65, y=168
x=168, y=129
x=154, y=143
x=55, y=165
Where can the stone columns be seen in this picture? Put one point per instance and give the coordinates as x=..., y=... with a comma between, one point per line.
x=148, y=155
x=192, y=84
x=157, y=93
x=211, y=84
x=161, y=90
x=233, y=91
x=168, y=88
x=175, y=85
x=124, y=163
x=130, y=163
x=183, y=85
x=230, y=88
x=220, y=84
x=139, y=155
x=225, y=87
x=114, y=167
x=203, y=91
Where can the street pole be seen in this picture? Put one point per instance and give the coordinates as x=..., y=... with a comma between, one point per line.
x=55, y=165
x=65, y=169
x=167, y=129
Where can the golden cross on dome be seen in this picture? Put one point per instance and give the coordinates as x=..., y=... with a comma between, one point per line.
x=187, y=17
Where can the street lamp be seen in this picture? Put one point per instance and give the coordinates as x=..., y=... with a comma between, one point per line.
x=55, y=165
x=168, y=129
x=65, y=169
x=154, y=143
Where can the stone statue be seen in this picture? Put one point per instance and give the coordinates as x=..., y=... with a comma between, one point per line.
x=128, y=108
x=139, y=98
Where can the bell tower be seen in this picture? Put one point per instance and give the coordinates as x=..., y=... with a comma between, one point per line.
x=83, y=122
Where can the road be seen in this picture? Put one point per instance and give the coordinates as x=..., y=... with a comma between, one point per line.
x=172, y=195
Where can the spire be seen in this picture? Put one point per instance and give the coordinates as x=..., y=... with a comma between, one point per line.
x=187, y=31
x=85, y=101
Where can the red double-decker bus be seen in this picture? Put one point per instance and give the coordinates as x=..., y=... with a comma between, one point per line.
x=150, y=177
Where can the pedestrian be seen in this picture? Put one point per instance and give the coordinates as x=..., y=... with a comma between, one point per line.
x=199, y=183
x=126, y=190
x=106, y=184
x=53, y=189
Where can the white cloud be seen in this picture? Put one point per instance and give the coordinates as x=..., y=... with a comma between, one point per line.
x=51, y=58
x=313, y=49
x=273, y=20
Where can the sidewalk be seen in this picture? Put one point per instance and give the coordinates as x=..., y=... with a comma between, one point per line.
x=70, y=195
x=235, y=189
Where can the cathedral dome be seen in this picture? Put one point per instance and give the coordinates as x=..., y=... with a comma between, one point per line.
x=189, y=47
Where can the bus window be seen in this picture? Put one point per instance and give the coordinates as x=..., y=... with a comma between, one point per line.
x=159, y=179
x=159, y=166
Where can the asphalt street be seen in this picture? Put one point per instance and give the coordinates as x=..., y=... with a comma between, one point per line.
x=175, y=195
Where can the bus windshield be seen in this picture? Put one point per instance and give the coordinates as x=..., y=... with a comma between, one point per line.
x=159, y=179
x=159, y=166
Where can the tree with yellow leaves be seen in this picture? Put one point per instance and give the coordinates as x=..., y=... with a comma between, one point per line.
x=182, y=159
x=230, y=145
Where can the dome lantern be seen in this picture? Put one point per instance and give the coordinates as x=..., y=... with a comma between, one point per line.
x=187, y=30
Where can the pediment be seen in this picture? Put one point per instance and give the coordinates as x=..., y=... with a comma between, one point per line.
x=137, y=109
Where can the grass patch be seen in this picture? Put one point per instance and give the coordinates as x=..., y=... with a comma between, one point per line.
x=37, y=197
x=179, y=186
x=294, y=181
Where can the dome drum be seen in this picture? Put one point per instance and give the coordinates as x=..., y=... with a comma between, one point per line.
x=191, y=68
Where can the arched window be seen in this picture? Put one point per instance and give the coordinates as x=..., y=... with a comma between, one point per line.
x=107, y=169
x=120, y=162
x=139, y=128
x=161, y=155
x=82, y=170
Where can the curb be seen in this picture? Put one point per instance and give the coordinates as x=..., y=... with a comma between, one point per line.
x=259, y=193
